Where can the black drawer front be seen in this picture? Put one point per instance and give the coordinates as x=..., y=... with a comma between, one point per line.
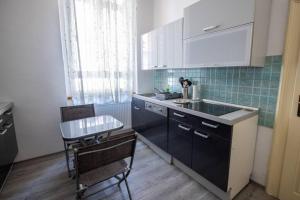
x=210, y=127
x=211, y=158
x=180, y=141
x=181, y=116
x=2, y=121
x=202, y=124
x=5, y=119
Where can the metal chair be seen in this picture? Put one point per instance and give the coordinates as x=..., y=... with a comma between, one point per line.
x=69, y=113
x=100, y=162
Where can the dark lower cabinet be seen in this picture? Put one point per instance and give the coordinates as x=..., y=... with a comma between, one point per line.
x=150, y=120
x=201, y=144
x=138, y=115
x=180, y=141
x=210, y=158
x=8, y=146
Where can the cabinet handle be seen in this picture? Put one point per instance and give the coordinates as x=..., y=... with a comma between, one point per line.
x=178, y=115
x=210, y=125
x=209, y=28
x=184, y=128
x=201, y=135
x=164, y=66
x=3, y=132
x=8, y=126
x=8, y=113
x=1, y=120
x=136, y=108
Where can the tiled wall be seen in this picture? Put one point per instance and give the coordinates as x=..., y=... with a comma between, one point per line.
x=248, y=86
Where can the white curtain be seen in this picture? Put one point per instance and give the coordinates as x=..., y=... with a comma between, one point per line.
x=99, y=43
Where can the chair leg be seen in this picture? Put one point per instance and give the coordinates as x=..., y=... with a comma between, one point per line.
x=127, y=186
x=67, y=158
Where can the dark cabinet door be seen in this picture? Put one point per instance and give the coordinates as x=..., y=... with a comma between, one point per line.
x=211, y=157
x=180, y=141
x=138, y=115
x=11, y=143
x=155, y=129
x=8, y=147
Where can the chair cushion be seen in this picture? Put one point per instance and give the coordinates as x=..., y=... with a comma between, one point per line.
x=103, y=173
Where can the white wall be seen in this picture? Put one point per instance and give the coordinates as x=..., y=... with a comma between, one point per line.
x=262, y=154
x=144, y=79
x=31, y=73
x=166, y=11
x=279, y=16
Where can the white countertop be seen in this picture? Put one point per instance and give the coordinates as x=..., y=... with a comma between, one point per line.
x=5, y=106
x=229, y=119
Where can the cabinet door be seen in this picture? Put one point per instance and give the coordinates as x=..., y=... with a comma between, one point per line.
x=231, y=47
x=164, y=53
x=156, y=129
x=177, y=46
x=170, y=45
x=211, y=157
x=149, y=50
x=11, y=143
x=3, y=155
x=214, y=15
x=180, y=141
x=137, y=115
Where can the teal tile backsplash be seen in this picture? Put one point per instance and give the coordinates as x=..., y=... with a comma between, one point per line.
x=248, y=86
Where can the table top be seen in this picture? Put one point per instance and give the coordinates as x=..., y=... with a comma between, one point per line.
x=88, y=127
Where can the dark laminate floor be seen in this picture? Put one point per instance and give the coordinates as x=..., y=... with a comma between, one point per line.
x=151, y=178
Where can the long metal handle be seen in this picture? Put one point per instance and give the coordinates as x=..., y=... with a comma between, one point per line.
x=201, y=135
x=209, y=28
x=184, y=128
x=178, y=115
x=8, y=113
x=3, y=132
x=136, y=108
x=210, y=125
x=8, y=126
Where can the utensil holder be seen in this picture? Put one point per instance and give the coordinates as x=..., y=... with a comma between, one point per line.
x=185, y=93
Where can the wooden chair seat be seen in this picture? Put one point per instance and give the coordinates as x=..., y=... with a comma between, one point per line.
x=104, y=172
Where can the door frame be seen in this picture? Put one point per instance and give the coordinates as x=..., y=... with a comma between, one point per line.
x=284, y=106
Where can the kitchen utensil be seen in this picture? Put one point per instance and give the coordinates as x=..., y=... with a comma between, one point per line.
x=181, y=79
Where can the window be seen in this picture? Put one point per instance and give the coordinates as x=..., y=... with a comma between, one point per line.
x=99, y=46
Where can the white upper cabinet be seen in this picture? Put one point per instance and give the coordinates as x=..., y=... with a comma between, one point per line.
x=226, y=33
x=163, y=47
x=212, y=15
x=231, y=47
x=170, y=45
x=149, y=50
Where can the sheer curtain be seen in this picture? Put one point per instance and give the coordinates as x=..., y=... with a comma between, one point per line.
x=99, y=43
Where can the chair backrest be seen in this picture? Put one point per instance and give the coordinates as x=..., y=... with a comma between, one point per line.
x=113, y=149
x=70, y=113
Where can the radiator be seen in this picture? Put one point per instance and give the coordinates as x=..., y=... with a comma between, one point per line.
x=121, y=111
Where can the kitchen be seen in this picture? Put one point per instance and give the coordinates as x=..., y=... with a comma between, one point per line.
x=209, y=89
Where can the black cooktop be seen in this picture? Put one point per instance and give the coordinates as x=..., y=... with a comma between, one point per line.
x=209, y=108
